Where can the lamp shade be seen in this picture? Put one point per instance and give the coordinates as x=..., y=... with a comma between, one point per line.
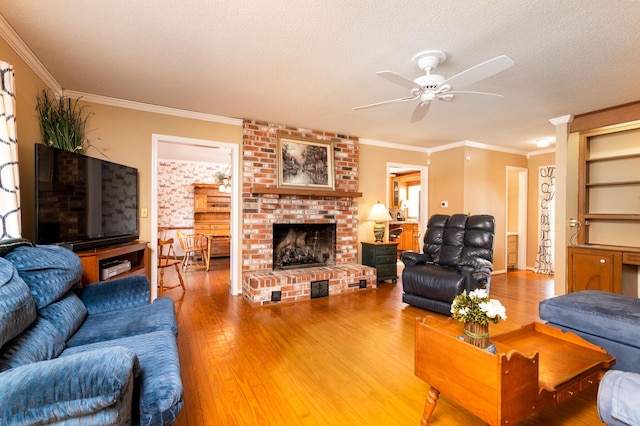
x=379, y=213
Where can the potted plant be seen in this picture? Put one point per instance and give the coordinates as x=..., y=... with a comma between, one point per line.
x=63, y=122
x=475, y=309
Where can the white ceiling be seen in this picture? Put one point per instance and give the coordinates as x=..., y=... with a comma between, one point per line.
x=306, y=63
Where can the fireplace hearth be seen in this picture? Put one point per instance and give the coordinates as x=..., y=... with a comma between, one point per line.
x=303, y=245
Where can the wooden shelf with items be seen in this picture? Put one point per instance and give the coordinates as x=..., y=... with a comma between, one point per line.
x=136, y=252
x=212, y=216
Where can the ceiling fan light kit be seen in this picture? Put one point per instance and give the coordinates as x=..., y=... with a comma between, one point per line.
x=429, y=87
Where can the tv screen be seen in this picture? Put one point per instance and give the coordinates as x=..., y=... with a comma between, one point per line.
x=84, y=202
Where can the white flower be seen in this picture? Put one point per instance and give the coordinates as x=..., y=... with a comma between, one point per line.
x=494, y=309
x=479, y=293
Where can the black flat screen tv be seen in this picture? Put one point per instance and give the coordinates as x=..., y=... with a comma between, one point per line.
x=82, y=202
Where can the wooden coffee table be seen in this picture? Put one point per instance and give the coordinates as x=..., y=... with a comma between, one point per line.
x=534, y=367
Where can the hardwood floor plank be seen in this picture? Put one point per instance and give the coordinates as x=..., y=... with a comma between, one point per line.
x=340, y=360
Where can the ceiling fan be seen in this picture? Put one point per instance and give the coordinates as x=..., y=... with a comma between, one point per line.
x=430, y=87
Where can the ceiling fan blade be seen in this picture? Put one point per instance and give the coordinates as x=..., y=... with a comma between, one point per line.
x=480, y=72
x=466, y=92
x=399, y=79
x=420, y=112
x=408, y=98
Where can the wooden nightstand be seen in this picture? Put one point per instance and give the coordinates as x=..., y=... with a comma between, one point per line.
x=383, y=257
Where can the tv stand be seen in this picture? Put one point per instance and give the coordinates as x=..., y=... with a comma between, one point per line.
x=136, y=252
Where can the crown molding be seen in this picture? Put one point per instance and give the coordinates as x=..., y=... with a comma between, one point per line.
x=393, y=145
x=18, y=45
x=565, y=119
x=141, y=106
x=472, y=144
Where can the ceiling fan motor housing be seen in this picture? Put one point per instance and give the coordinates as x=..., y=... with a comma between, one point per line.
x=429, y=81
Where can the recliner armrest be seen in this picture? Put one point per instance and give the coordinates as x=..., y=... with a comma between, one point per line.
x=477, y=270
x=475, y=263
x=114, y=295
x=96, y=385
x=411, y=258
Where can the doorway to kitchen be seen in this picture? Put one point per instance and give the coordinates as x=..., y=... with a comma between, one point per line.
x=199, y=152
x=407, y=198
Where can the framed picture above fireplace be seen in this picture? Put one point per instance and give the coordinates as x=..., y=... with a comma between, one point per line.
x=305, y=163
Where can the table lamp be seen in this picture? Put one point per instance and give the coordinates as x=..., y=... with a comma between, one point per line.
x=379, y=214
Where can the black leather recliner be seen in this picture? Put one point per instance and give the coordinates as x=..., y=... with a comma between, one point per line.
x=457, y=255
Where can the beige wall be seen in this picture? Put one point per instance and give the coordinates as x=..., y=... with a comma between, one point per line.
x=446, y=181
x=485, y=176
x=124, y=135
x=373, y=179
x=533, y=231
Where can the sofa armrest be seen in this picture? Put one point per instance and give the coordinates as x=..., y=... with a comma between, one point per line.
x=121, y=293
x=618, y=398
x=94, y=385
x=411, y=258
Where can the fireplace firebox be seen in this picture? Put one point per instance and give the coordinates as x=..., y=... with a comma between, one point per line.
x=303, y=245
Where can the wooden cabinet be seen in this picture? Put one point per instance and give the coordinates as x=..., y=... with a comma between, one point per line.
x=605, y=268
x=595, y=269
x=512, y=251
x=383, y=257
x=212, y=216
x=93, y=261
x=409, y=239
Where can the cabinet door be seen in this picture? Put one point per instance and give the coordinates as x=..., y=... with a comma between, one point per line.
x=200, y=202
x=592, y=269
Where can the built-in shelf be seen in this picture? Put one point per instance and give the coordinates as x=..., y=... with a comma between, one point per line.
x=612, y=216
x=626, y=182
x=264, y=189
x=611, y=158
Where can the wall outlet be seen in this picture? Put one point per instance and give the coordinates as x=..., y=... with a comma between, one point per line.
x=144, y=212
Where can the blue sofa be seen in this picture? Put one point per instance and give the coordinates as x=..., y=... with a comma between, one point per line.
x=611, y=321
x=99, y=355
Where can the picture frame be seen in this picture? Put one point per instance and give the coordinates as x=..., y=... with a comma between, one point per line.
x=305, y=163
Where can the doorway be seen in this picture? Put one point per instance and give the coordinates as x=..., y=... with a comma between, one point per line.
x=194, y=150
x=516, y=214
x=415, y=195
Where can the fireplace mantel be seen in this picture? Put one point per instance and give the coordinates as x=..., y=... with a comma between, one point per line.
x=266, y=189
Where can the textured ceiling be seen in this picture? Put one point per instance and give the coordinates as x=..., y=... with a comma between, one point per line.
x=307, y=63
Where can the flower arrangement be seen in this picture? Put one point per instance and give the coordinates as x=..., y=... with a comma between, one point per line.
x=476, y=306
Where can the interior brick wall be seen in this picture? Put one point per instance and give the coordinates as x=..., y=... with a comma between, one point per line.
x=260, y=211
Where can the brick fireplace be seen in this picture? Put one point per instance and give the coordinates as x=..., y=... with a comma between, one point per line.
x=261, y=284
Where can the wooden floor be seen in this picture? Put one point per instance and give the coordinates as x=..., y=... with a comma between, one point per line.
x=340, y=360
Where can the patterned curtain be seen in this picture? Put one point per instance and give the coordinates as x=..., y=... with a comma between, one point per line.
x=546, y=214
x=10, y=226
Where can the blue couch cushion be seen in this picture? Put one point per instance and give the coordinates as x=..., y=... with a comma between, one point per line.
x=618, y=398
x=40, y=342
x=159, y=315
x=17, y=309
x=613, y=316
x=160, y=384
x=66, y=314
x=49, y=271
